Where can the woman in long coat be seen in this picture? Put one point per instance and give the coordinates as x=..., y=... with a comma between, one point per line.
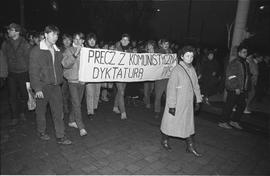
x=178, y=118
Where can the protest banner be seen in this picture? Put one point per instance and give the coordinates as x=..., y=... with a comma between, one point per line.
x=100, y=65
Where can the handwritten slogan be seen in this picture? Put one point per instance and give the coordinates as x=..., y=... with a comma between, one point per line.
x=100, y=65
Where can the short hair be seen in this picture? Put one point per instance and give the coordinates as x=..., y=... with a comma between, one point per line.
x=91, y=36
x=185, y=49
x=80, y=34
x=125, y=35
x=51, y=28
x=164, y=40
x=66, y=36
x=240, y=47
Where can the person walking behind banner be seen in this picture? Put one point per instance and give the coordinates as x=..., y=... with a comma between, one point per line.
x=183, y=87
x=16, y=50
x=3, y=66
x=71, y=64
x=161, y=85
x=46, y=76
x=92, y=89
x=237, y=83
x=119, y=101
x=150, y=47
x=66, y=43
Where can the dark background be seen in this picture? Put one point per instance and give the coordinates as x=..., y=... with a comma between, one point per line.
x=144, y=19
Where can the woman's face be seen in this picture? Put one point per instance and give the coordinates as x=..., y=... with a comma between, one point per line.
x=150, y=48
x=188, y=57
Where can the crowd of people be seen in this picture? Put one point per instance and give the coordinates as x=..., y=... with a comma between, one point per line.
x=53, y=76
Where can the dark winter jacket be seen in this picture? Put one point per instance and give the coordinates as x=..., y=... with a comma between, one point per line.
x=238, y=75
x=42, y=70
x=17, y=54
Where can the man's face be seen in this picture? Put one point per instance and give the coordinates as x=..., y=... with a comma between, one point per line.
x=67, y=42
x=12, y=32
x=188, y=57
x=124, y=41
x=77, y=40
x=210, y=56
x=165, y=45
x=91, y=42
x=243, y=53
x=51, y=37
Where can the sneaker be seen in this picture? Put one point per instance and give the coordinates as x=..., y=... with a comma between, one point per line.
x=236, y=125
x=116, y=110
x=123, y=116
x=105, y=99
x=246, y=111
x=83, y=132
x=90, y=116
x=64, y=140
x=224, y=125
x=44, y=136
x=73, y=124
x=14, y=122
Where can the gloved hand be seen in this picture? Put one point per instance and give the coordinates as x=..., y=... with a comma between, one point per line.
x=172, y=111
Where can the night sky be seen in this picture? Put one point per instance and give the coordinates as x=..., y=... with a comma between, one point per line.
x=142, y=19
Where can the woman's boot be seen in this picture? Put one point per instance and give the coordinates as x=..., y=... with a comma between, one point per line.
x=165, y=142
x=191, y=147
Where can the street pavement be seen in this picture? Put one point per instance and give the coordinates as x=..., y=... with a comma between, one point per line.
x=132, y=146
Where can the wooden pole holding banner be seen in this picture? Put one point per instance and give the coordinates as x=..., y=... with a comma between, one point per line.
x=240, y=26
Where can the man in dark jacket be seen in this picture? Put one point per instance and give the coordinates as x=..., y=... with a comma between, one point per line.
x=16, y=51
x=237, y=83
x=46, y=76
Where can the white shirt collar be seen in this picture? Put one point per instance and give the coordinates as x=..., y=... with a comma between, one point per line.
x=43, y=46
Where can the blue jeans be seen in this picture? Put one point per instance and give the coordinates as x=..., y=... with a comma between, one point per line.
x=76, y=94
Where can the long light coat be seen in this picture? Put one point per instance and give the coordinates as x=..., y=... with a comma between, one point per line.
x=180, y=96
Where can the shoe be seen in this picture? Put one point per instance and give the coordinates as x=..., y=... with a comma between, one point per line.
x=116, y=110
x=236, y=125
x=105, y=99
x=44, y=136
x=14, y=122
x=123, y=116
x=191, y=148
x=90, y=116
x=224, y=125
x=246, y=111
x=165, y=145
x=73, y=124
x=64, y=140
x=83, y=132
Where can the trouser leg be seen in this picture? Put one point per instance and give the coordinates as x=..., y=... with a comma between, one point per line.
x=56, y=105
x=160, y=88
x=228, y=106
